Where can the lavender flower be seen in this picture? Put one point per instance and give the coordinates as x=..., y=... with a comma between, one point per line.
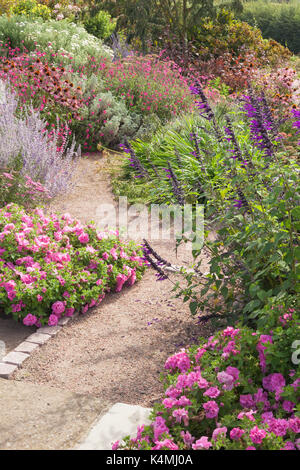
x=205, y=109
x=179, y=161
x=45, y=156
x=203, y=105
x=242, y=201
x=195, y=140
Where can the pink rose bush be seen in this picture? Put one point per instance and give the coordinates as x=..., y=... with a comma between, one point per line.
x=51, y=266
x=247, y=399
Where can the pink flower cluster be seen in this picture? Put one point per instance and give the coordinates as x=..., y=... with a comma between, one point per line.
x=52, y=266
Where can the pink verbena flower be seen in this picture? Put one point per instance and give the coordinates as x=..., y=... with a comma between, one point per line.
x=179, y=361
x=188, y=439
x=84, y=238
x=212, y=392
x=181, y=415
x=294, y=424
x=226, y=379
x=219, y=432
x=165, y=443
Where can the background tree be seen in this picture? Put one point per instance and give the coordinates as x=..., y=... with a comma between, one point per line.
x=146, y=19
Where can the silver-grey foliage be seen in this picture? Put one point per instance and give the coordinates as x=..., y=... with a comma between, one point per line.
x=46, y=157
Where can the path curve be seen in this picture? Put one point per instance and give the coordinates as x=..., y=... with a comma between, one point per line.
x=117, y=350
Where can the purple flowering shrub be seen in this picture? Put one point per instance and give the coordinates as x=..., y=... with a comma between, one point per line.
x=52, y=266
x=237, y=166
x=238, y=390
x=44, y=156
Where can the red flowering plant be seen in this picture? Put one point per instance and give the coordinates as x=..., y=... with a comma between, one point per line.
x=237, y=390
x=76, y=96
x=149, y=86
x=51, y=266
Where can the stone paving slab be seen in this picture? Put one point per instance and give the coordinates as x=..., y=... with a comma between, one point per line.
x=38, y=338
x=40, y=417
x=49, y=330
x=26, y=347
x=6, y=370
x=121, y=420
x=15, y=358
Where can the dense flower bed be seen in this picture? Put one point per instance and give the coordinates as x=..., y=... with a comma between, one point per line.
x=51, y=266
x=240, y=389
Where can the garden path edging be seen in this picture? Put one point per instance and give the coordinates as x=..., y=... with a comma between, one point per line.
x=15, y=358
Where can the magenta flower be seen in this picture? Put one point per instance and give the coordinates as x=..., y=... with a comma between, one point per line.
x=219, y=432
x=30, y=320
x=53, y=320
x=84, y=238
x=211, y=409
x=212, y=392
x=58, y=307
x=257, y=435
x=202, y=443
x=236, y=434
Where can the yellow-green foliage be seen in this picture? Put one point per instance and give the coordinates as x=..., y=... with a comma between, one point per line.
x=30, y=8
x=5, y=6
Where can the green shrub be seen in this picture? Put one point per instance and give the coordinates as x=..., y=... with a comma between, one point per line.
x=251, y=192
x=101, y=25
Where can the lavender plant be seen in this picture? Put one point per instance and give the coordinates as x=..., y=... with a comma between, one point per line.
x=44, y=156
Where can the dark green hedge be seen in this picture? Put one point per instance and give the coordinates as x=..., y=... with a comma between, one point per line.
x=279, y=21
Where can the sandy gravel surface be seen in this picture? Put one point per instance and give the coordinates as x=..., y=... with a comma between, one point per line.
x=42, y=417
x=117, y=350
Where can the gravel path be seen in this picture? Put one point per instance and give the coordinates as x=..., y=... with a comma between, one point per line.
x=117, y=350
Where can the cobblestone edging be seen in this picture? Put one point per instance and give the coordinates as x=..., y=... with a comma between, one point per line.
x=15, y=358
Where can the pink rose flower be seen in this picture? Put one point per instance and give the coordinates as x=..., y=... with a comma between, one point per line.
x=202, y=443
x=30, y=320
x=84, y=238
x=53, y=320
x=58, y=307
